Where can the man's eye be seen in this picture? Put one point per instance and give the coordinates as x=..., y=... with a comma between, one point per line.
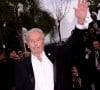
x=31, y=41
x=38, y=40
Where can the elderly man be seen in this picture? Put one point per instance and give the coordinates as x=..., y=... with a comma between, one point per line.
x=41, y=71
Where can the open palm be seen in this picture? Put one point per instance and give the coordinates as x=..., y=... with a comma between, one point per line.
x=81, y=10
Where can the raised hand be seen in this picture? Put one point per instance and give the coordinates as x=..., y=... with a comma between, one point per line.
x=81, y=11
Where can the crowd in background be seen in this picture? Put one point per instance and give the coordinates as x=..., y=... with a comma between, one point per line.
x=84, y=66
x=7, y=67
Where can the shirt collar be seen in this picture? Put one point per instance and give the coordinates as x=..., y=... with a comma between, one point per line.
x=42, y=55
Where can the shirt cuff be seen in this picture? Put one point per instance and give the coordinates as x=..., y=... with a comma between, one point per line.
x=81, y=27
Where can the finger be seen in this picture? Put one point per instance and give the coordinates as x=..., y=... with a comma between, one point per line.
x=84, y=1
x=79, y=1
x=85, y=4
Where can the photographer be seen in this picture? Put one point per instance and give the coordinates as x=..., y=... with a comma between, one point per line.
x=93, y=59
x=76, y=79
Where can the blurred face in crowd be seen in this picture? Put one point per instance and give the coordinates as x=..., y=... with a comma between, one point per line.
x=14, y=55
x=2, y=56
x=20, y=54
x=35, y=42
x=74, y=71
x=26, y=53
x=91, y=29
x=94, y=17
x=96, y=44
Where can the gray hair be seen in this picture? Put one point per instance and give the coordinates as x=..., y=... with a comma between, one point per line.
x=32, y=31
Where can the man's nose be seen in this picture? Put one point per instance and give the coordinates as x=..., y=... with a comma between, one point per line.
x=35, y=42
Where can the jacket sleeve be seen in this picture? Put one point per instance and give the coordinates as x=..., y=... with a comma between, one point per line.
x=75, y=43
x=18, y=76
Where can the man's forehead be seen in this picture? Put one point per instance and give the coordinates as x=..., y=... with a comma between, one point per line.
x=35, y=34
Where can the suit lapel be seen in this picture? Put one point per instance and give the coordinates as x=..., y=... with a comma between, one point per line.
x=30, y=71
x=51, y=57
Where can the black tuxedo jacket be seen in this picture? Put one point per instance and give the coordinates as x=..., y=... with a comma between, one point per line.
x=24, y=74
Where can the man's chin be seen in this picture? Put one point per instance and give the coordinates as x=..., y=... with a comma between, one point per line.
x=37, y=52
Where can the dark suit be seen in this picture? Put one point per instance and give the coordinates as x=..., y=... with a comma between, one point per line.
x=4, y=81
x=93, y=73
x=24, y=72
x=96, y=26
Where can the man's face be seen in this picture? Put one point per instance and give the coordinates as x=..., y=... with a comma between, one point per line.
x=96, y=44
x=13, y=54
x=35, y=42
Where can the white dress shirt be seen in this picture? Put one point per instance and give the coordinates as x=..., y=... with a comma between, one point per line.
x=43, y=72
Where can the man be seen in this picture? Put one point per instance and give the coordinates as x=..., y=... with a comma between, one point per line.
x=95, y=25
x=93, y=59
x=43, y=69
x=76, y=79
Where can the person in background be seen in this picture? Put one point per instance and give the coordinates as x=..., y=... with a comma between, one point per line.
x=76, y=79
x=20, y=54
x=95, y=24
x=93, y=63
x=13, y=54
x=26, y=54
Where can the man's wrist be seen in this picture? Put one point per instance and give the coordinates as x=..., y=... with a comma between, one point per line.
x=81, y=21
